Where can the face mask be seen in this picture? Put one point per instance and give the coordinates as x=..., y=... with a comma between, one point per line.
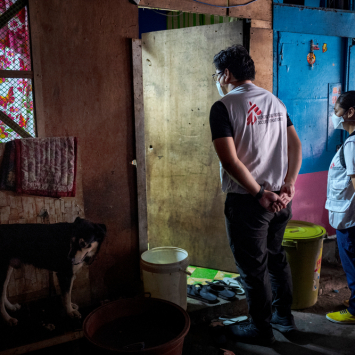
x=337, y=122
x=219, y=88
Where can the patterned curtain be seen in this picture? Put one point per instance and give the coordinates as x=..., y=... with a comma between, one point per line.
x=16, y=99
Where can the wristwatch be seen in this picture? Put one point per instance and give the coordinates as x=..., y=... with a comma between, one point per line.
x=260, y=194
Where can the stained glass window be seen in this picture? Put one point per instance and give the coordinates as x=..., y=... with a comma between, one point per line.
x=16, y=76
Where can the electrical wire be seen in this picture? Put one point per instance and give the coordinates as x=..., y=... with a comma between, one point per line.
x=225, y=7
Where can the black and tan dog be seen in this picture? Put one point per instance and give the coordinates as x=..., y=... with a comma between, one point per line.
x=59, y=247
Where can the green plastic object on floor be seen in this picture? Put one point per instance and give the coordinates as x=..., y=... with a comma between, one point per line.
x=303, y=243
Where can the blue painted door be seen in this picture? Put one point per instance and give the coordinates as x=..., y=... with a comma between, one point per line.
x=305, y=92
x=352, y=68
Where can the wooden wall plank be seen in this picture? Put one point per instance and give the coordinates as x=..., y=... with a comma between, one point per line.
x=36, y=45
x=188, y=6
x=82, y=62
x=261, y=50
x=258, y=10
x=16, y=74
x=261, y=24
x=140, y=144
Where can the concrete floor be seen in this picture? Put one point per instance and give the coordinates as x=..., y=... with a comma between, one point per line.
x=315, y=335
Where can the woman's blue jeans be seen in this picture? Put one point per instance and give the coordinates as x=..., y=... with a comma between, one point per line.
x=346, y=245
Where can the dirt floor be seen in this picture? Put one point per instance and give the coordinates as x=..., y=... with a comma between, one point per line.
x=329, y=302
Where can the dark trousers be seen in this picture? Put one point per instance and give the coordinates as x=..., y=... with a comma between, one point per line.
x=255, y=236
x=346, y=245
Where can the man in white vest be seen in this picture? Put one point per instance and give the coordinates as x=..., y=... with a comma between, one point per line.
x=260, y=155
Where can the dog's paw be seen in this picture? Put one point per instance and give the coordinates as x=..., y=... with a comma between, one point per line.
x=74, y=306
x=74, y=314
x=49, y=326
x=13, y=307
x=12, y=322
x=9, y=320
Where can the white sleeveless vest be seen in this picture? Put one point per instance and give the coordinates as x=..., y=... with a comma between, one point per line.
x=259, y=122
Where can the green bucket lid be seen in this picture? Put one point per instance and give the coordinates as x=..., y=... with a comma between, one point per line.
x=303, y=230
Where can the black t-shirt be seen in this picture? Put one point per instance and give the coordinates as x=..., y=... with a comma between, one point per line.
x=220, y=123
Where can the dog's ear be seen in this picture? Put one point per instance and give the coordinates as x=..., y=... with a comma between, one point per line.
x=77, y=220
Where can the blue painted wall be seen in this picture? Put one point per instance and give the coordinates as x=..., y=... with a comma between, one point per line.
x=304, y=90
x=305, y=93
x=302, y=19
x=352, y=68
x=317, y=3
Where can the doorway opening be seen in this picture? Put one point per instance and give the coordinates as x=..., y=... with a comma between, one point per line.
x=185, y=203
x=151, y=20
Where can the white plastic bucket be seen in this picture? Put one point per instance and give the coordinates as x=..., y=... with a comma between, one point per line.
x=164, y=274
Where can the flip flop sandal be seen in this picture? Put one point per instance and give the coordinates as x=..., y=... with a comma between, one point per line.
x=232, y=282
x=234, y=320
x=200, y=292
x=235, y=284
x=220, y=285
x=217, y=284
x=223, y=293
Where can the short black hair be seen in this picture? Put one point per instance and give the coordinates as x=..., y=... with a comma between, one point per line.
x=237, y=59
x=346, y=100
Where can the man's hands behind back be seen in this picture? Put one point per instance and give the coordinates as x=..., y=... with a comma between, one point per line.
x=272, y=202
x=287, y=192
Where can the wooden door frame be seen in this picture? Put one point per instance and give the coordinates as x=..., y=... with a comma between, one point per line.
x=140, y=144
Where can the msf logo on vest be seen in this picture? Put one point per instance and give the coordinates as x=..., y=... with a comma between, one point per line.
x=253, y=113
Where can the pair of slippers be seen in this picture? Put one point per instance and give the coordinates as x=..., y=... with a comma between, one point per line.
x=209, y=293
x=201, y=293
x=235, y=284
x=227, y=320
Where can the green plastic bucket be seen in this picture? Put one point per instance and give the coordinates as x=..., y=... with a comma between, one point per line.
x=303, y=243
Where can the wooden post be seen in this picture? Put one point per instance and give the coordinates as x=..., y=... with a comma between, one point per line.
x=140, y=144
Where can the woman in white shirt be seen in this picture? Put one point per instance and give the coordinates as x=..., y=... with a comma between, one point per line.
x=340, y=199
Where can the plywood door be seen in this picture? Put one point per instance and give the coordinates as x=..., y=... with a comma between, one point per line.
x=184, y=199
